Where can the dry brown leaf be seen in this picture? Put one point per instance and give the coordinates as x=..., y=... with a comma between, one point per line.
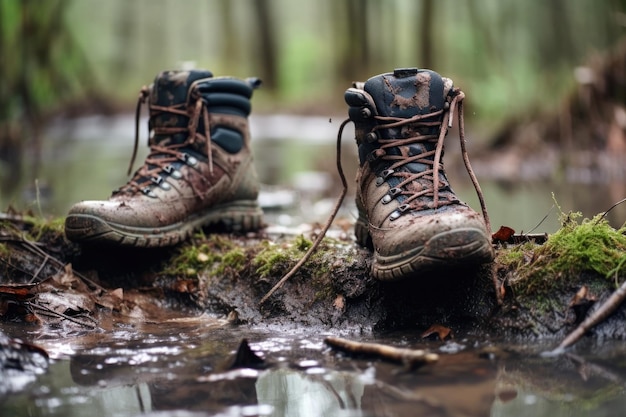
x=340, y=302
x=582, y=296
x=442, y=332
x=503, y=234
x=18, y=292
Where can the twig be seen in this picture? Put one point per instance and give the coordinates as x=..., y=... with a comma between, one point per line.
x=33, y=248
x=64, y=316
x=610, y=208
x=321, y=235
x=17, y=218
x=540, y=222
x=497, y=285
x=597, y=317
x=36, y=274
x=410, y=357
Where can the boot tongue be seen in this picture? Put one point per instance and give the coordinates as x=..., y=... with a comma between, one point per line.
x=407, y=92
x=170, y=89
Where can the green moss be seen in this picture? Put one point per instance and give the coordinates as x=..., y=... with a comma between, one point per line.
x=273, y=257
x=276, y=258
x=38, y=227
x=573, y=253
x=190, y=259
x=234, y=259
x=302, y=244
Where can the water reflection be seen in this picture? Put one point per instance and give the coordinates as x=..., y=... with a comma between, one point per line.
x=174, y=369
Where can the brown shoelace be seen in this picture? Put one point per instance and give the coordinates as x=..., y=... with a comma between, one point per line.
x=160, y=157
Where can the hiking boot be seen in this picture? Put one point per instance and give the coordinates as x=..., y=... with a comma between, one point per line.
x=199, y=171
x=408, y=212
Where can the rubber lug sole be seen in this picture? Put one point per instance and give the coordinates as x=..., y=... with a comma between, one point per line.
x=239, y=216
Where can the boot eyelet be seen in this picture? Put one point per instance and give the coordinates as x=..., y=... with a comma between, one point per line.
x=379, y=181
x=394, y=191
x=191, y=161
x=371, y=137
x=188, y=159
x=165, y=186
x=386, y=199
x=404, y=207
x=366, y=113
x=173, y=172
x=385, y=173
x=148, y=191
x=393, y=216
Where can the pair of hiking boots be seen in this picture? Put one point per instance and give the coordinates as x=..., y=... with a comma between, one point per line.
x=200, y=172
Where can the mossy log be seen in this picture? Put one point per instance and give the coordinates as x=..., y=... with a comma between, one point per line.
x=542, y=290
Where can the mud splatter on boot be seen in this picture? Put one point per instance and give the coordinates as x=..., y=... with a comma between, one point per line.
x=199, y=171
x=408, y=213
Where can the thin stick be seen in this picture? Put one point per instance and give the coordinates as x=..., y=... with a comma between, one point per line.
x=411, y=357
x=597, y=317
x=330, y=220
x=611, y=208
x=53, y=313
x=32, y=247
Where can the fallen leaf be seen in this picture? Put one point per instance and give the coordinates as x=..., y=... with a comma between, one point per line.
x=442, y=332
x=118, y=293
x=17, y=292
x=582, y=296
x=503, y=234
x=340, y=302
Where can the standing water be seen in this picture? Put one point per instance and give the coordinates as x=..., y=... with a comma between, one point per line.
x=183, y=366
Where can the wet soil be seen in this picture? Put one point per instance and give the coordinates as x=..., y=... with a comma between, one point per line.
x=46, y=279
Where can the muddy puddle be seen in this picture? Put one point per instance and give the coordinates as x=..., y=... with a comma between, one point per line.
x=184, y=367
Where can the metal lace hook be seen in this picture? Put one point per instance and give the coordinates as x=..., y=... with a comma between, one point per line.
x=329, y=221
x=143, y=94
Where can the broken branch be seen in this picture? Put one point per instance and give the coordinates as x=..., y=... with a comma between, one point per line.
x=411, y=357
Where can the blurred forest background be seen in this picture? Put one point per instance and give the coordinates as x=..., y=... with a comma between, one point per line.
x=562, y=62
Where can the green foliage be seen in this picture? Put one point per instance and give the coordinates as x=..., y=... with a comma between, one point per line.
x=274, y=257
x=199, y=254
x=234, y=259
x=41, y=64
x=577, y=251
x=271, y=257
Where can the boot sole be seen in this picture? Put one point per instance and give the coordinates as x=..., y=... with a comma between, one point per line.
x=238, y=216
x=463, y=246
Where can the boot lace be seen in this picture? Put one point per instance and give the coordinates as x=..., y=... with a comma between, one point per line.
x=429, y=180
x=398, y=161
x=163, y=154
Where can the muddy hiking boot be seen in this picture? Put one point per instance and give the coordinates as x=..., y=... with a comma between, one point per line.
x=199, y=171
x=408, y=213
